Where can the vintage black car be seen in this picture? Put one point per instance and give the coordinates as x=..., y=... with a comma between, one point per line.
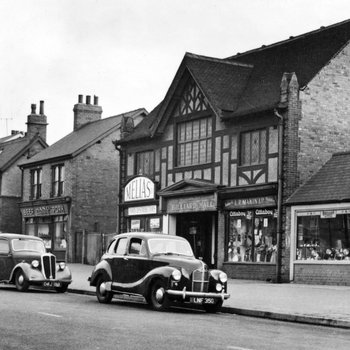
x=161, y=268
x=24, y=262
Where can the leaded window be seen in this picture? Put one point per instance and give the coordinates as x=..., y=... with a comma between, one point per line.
x=145, y=163
x=194, y=142
x=253, y=147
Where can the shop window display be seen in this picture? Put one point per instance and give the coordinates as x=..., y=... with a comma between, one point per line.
x=252, y=236
x=145, y=224
x=325, y=236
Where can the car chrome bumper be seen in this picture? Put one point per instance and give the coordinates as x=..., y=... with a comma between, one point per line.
x=184, y=293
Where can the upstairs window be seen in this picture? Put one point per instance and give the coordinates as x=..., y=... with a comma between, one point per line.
x=253, y=148
x=145, y=163
x=35, y=183
x=57, y=180
x=194, y=142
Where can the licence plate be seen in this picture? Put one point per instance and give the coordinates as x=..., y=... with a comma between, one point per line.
x=52, y=284
x=203, y=301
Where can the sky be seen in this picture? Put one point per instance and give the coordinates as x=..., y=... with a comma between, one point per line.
x=127, y=52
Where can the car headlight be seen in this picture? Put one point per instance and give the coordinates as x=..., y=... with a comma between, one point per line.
x=223, y=277
x=35, y=264
x=61, y=265
x=218, y=287
x=176, y=275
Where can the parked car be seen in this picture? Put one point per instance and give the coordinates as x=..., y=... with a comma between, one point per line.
x=25, y=262
x=161, y=268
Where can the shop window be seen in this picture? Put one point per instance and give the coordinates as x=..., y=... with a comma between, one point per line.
x=44, y=231
x=60, y=232
x=35, y=183
x=145, y=163
x=145, y=224
x=194, y=142
x=252, y=236
x=57, y=180
x=253, y=148
x=323, y=236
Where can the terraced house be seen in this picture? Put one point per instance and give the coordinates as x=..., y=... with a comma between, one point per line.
x=70, y=190
x=231, y=141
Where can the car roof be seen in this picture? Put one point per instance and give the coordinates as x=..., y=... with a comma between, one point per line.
x=149, y=235
x=18, y=236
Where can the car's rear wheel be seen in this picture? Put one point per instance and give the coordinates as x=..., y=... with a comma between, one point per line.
x=103, y=296
x=158, y=298
x=62, y=289
x=21, y=282
x=213, y=308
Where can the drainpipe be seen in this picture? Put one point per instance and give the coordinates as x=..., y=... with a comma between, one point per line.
x=279, y=196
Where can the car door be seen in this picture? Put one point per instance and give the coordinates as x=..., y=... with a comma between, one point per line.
x=6, y=260
x=118, y=261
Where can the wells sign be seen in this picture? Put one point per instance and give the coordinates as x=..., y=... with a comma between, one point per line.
x=139, y=189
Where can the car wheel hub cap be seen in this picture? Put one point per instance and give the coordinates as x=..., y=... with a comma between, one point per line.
x=20, y=279
x=160, y=295
x=103, y=288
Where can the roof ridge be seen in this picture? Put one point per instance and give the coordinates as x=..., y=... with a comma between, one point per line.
x=290, y=39
x=218, y=60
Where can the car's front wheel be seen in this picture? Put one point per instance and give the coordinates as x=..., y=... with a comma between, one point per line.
x=62, y=289
x=103, y=296
x=21, y=282
x=158, y=298
x=213, y=308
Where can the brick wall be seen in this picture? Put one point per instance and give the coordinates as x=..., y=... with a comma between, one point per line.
x=336, y=274
x=325, y=123
x=11, y=181
x=251, y=271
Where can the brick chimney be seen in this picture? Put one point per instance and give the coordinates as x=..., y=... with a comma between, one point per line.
x=36, y=123
x=85, y=113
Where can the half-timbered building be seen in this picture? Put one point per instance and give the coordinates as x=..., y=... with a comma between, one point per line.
x=232, y=139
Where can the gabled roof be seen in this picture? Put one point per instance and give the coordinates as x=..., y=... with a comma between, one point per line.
x=330, y=184
x=79, y=140
x=305, y=55
x=249, y=82
x=11, y=151
x=188, y=187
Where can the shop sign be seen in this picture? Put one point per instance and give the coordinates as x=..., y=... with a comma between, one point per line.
x=144, y=210
x=45, y=210
x=138, y=189
x=191, y=204
x=249, y=202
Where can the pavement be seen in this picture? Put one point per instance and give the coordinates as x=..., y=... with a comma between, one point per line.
x=303, y=303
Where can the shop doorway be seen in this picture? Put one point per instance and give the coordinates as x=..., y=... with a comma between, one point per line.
x=199, y=229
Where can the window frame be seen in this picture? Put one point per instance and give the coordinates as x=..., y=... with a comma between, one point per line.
x=35, y=183
x=151, y=166
x=57, y=185
x=182, y=140
x=262, y=151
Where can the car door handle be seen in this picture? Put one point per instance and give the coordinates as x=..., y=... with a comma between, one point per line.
x=125, y=258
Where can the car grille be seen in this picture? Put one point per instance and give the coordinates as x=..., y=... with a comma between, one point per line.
x=200, y=280
x=49, y=266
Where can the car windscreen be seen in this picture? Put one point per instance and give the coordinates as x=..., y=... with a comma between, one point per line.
x=169, y=246
x=28, y=245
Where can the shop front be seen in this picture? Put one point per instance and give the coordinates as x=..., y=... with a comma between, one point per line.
x=49, y=221
x=140, y=206
x=320, y=244
x=250, y=233
x=191, y=208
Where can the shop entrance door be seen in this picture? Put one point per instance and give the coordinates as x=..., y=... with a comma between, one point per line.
x=199, y=230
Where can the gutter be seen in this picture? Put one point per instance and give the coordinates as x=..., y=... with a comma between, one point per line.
x=279, y=196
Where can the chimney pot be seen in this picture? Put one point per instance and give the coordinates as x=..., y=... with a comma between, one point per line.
x=33, y=106
x=88, y=100
x=80, y=98
x=95, y=100
x=41, y=108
